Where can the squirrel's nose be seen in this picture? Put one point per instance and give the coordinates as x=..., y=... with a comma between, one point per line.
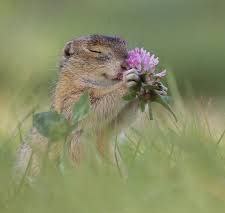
x=124, y=65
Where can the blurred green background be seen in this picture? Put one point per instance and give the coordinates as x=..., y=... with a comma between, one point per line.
x=187, y=35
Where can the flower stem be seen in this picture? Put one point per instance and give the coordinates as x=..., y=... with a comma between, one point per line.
x=150, y=110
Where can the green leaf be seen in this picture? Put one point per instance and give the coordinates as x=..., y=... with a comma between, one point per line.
x=130, y=96
x=148, y=86
x=163, y=100
x=142, y=105
x=81, y=108
x=51, y=125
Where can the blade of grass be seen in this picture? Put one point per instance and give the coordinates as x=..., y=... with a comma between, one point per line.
x=116, y=157
x=221, y=137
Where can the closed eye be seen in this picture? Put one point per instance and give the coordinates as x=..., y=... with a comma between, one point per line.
x=95, y=51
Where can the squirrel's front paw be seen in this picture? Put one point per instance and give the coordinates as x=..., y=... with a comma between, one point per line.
x=131, y=78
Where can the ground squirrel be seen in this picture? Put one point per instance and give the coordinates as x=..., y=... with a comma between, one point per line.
x=92, y=63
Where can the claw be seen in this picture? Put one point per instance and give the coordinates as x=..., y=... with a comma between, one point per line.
x=131, y=84
x=132, y=77
x=131, y=71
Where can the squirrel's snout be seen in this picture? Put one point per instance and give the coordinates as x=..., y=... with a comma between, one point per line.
x=124, y=66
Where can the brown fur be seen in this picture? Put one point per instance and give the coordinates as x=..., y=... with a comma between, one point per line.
x=90, y=63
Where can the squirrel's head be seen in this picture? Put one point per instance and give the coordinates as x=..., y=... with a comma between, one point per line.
x=96, y=57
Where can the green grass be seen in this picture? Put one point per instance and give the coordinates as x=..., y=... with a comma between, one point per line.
x=171, y=167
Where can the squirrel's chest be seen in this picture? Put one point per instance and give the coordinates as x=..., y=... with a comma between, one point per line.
x=106, y=110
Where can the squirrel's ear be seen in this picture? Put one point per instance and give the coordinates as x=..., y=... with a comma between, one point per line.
x=68, y=49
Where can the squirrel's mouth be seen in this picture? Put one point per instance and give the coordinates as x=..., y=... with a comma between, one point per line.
x=123, y=67
x=119, y=74
x=114, y=78
x=103, y=82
